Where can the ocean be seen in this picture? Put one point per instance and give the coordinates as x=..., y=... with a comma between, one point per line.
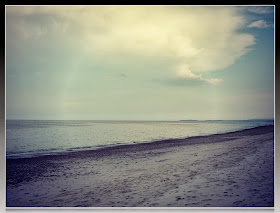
x=28, y=138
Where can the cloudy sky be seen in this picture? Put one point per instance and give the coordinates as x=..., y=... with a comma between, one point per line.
x=139, y=62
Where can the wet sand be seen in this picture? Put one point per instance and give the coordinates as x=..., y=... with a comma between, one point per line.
x=223, y=170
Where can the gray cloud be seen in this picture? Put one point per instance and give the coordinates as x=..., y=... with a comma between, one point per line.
x=123, y=75
x=185, y=82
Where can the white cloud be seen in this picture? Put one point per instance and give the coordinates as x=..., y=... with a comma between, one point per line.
x=259, y=24
x=261, y=9
x=183, y=71
x=214, y=81
x=202, y=38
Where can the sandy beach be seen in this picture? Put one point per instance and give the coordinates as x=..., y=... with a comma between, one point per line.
x=223, y=170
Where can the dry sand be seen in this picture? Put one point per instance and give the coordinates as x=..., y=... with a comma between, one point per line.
x=224, y=170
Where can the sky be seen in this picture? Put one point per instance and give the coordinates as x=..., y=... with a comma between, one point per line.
x=139, y=62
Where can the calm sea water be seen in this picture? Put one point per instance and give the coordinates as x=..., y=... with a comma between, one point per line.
x=26, y=138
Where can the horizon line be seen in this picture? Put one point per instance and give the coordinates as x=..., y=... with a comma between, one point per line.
x=142, y=120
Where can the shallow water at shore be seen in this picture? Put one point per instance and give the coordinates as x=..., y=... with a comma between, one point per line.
x=25, y=138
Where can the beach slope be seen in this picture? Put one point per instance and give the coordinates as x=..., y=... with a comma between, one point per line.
x=223, y=170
